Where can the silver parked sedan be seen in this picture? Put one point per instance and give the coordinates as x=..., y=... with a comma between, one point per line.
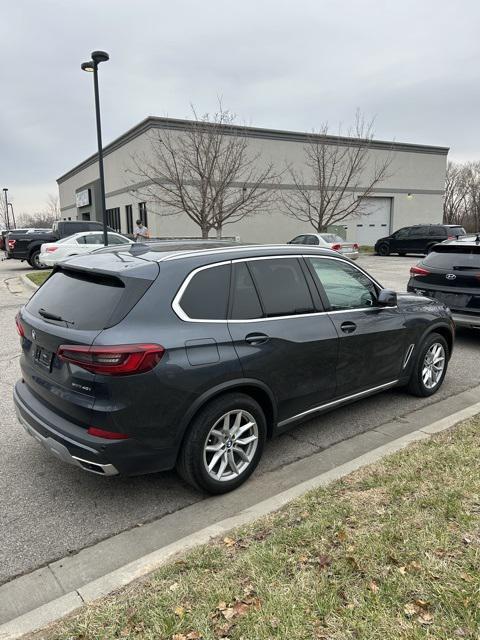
x=329, y=241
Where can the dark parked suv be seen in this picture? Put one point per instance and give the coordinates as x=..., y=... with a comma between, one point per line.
x=143, y=359
x=451, y=274
x=417, y=239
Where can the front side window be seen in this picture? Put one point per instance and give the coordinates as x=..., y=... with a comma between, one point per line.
x=206, y=295
x=282, y=286
x=402, y=233
x=298, y=240
x=345, y=286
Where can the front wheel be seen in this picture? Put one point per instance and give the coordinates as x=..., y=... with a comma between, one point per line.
x=34, y=261
x=430, y=366
x=224, y=444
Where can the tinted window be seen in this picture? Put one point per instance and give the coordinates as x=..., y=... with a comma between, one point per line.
x=454, y=258
x=282, y=286
x=402, y=233
x=80, y=240
x=245, y=303
x=345, y=286
x=114, y=239
x=206, y=295
x=65, y=294
x=456, y=231
x=312, y=240
x=298, y=240
x=421, y=231
x=332, y=238
x=437, y=231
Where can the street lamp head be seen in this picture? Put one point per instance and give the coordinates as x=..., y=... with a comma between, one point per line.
x=100, y=56
x=88, y=66
x=5, y=189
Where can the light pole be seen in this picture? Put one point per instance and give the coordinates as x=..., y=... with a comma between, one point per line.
x=92, y=66
x=9, y=204
x=5, y=190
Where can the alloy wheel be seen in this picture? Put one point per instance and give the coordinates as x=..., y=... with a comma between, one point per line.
x=230, y=445
x=433, y=365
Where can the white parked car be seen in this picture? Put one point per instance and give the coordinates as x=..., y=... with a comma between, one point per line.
x=76, y=245
x=329, y=241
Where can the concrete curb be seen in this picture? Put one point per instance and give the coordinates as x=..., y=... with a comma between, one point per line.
x=26, y=281
x=72, y=601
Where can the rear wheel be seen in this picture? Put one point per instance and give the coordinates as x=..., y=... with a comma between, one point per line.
x=402, y=255
x=430, y=366
x=224, y=444
x=34, y=261
x=383, y=250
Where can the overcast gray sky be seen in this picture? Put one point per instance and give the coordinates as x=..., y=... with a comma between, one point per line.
x=291, y=64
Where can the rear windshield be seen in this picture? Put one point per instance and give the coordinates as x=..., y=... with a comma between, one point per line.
x=456, y=231
x=81, y=301
x=454, y=257
x=331, y=237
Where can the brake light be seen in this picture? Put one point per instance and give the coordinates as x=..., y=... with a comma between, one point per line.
x=450, y=237
x=51, y=249
x=416, y=272
x=11, y=244
x=109, y=435
x=355, y=245
x=336, y=247
x=118, y=360
x=20, y=329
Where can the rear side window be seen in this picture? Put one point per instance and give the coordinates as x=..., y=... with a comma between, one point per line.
x=421, y=231
x=312, y=240
x=206, y=295
x=245, y=302
x=82, y=301
x=454, y=258
x=438, y=231
x=282, y=286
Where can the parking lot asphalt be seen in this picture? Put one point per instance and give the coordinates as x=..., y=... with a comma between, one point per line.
x=49, y=510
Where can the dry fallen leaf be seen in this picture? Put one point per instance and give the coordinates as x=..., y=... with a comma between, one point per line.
x=194, y=635
x=229, y=542
x=174, y=586
x=402, y=570
x=467, y=577
x=179, y=636
x=323, y=561
x=467, y=540
x=410, y=609
x=179, y=611
x=425, y=618
x=373, y=586
x=423, y=604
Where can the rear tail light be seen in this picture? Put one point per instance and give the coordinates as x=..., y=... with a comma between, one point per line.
x=11, y=244
x=20, y=329
x=51, y=249
x=450, y=237
x=109, y=435
x=336, y=247
x=355, y=245
x=416, y=272
x=118, y=360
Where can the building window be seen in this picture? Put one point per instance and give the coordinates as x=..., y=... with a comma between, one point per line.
x=113, y=219
x=142, y=213
x=129, y=215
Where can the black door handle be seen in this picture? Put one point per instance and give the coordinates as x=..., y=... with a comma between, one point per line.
x=348, y=327
x=256, y=338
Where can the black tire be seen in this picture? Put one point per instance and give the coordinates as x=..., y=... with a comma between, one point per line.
x=34, y=261
x=191, y=463
x=402, y=255
x=383, y=250
x=416, y=385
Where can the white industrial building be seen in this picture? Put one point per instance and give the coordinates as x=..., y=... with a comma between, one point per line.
x=413, y=192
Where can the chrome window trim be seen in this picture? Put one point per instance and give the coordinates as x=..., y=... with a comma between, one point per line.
x=332, y=403
x=183, y=316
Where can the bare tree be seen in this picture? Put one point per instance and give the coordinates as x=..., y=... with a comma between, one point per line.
x=472, y=179
x=456, y=194
x=4, y=218
x=40, y=220
x=340, y=172
x=52, y=206
x=205, y=171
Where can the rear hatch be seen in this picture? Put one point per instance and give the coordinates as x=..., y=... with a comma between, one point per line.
x=451, y=274
x=78, y=301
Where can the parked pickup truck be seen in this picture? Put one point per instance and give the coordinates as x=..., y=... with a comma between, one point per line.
x=26, y=246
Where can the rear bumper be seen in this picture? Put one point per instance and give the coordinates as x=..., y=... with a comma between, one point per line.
x=353, y=255
x=73, y=445
x=466, y=320
x=46, y=260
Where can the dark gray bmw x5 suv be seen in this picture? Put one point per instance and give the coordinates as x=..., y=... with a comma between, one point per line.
x=141, y=359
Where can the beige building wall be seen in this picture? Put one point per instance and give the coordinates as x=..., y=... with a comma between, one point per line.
x=415, y=184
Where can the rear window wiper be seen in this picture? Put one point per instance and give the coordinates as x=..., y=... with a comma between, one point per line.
x=51, y=316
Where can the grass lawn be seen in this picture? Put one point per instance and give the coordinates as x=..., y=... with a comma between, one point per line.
x=391, y=551
x=39, y=277
x=366, y=249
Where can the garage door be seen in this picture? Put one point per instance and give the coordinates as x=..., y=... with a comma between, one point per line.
x=373, y=222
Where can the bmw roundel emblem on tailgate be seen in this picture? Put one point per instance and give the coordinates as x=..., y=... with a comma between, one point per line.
x=450, y=276
x=34, y=335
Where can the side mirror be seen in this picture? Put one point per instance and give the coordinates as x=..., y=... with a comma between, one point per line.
x=387, y=298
